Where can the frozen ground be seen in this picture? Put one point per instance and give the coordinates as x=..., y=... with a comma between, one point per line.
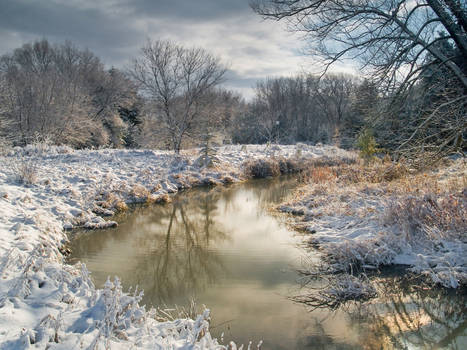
x=359, y=222
x=45, y=190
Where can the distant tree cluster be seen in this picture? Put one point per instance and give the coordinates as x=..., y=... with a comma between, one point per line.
x=63, y=94
x=307, y=108
x=169, y=98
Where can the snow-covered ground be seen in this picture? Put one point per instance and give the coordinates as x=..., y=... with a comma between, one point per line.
x=45, y=190
x=360, y=222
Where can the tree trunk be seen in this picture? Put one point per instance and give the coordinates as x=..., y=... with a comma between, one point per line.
x=450, y=24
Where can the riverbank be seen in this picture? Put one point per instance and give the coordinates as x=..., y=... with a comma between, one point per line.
x=362, y=217
x=45, y=190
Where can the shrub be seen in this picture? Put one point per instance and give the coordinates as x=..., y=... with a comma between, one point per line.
x=261, y=168
x=139, y=193
x=374, y=173
x=207, y=153
x=338, y=290
x=291, y=165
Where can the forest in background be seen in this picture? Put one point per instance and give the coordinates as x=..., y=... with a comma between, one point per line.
x=66, y=95
x=412, y=98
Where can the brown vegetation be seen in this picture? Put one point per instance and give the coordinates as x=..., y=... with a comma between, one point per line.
x=395, y=207
x=275, y=166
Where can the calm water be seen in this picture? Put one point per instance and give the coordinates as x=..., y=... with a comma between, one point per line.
x=225, y=249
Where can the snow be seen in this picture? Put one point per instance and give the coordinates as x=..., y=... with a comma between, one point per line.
x=46, y=190
x=364, y=225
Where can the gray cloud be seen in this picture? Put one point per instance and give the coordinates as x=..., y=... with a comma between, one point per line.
x=46, y=18
x=116, y=29
x=188, y=10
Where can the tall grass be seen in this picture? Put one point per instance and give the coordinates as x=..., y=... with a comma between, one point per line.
x=25, y=170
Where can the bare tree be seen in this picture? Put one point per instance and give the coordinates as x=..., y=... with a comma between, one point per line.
x=334, y=96
x=111, y=92
x=5, y=123
x=399, y=41
x=269, y=106
x=284, y=109
x=176, y=79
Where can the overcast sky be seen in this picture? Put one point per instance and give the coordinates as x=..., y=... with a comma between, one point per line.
x=115, y=30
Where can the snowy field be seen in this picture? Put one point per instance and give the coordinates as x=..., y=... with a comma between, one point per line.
x=46, y=190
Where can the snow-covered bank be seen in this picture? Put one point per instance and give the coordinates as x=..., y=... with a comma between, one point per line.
x=46, y=190
x=361, y=218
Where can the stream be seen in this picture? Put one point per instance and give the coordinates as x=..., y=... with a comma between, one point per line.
x=226, y=249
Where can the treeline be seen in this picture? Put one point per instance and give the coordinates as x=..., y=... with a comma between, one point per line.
x=307, y=108
x=414, y=51
x=170, y=98
x=429, y=117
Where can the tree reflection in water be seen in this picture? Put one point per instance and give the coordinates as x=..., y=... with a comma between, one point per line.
x=408, y=316
x=180, y=257
x=171, y=247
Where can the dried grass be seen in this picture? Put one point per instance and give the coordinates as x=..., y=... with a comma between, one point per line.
x=112, y=202
x=355, y=255
x=25, y=170
x=139, y=193
x=322, y=174
x=168, y=314
x=423, y=212
x=420, y=217
x=371, y=173
x=275, y=166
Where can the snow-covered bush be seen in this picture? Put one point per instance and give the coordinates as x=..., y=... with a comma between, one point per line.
x=275, y=166
x=207, y=153
x=119, y=312
x=436, y=225
x=4, y=146
x=363, y=217
x=166, y=313
x=293, y=165
x=370, y=253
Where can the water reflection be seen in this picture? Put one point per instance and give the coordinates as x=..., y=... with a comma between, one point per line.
x=176, y=251
x=223, y=247
x=165, y=250
x=407, y=316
